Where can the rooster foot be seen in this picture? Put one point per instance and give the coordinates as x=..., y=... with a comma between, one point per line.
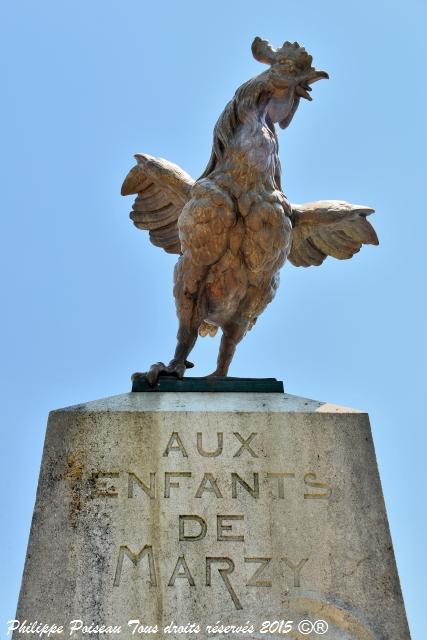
x=174, y=368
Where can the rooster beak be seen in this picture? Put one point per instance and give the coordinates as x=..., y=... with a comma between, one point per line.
x=316, y=75
x=303, y=87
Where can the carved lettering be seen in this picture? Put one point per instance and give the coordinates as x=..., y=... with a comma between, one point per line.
x=245, y=445
x=235, y=478
x=210, y=485
x=226, y=565
x=210, y=454
x=280, y=481
x=174, y=474
x=253, y=580
x=101, y=486
x=181, y=571
x=296, y=568
x=310, y=481
x=224, y=573
x=187, y=518
x=150, y=491
x=178, y=446
x=221, y=527
x=136, y=558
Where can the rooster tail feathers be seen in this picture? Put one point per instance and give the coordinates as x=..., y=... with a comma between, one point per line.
x=207, y=329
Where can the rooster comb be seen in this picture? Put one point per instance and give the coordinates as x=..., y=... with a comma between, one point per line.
x=291, y=55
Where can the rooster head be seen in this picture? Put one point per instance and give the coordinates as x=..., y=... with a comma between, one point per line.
x=291, y=77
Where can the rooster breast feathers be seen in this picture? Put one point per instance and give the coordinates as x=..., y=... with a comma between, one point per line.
x=320, y=229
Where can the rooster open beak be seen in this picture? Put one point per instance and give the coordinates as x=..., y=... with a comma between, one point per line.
x=302, y=89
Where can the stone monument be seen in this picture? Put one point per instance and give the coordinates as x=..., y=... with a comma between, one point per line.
x=218, y=507
x=205, y=511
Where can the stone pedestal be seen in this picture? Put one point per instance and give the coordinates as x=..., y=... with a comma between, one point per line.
x=207, y=509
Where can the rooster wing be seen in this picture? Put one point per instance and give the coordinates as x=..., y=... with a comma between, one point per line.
x=163, y=189
x=329, y=228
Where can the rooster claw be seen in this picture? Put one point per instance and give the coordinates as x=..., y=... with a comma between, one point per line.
x=158, y=369
x=154, y=372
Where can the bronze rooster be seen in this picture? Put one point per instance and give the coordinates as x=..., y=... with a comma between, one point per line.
x=234, y=228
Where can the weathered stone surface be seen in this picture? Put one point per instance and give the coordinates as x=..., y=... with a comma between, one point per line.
x=310, y=542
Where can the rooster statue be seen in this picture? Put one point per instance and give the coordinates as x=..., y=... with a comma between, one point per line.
x=233, y=228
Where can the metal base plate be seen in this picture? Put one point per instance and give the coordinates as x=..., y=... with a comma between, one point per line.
x=215, y=384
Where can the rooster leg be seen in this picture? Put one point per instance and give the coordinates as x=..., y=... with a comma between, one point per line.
x=179, y=363
x=232, y=333
x=186, y=341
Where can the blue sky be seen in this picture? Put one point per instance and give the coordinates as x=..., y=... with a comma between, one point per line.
x=87, y=299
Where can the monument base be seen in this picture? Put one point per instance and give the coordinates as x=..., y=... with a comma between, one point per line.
x=212, y=515
x=208, y=384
